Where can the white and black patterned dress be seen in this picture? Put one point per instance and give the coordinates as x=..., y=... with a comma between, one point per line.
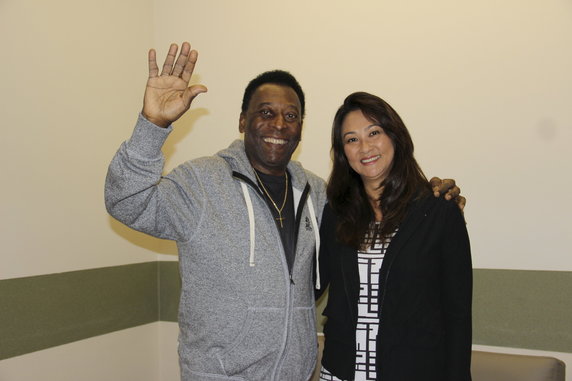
x=369, y=265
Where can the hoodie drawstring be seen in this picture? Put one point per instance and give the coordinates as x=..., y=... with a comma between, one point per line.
x=252, y=226
x=317, y=235
x=251, y=222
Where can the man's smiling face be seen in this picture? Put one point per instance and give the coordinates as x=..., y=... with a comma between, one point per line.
x=272, y=127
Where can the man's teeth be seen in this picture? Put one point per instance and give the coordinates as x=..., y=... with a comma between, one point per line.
x=275, y=141
x=373, y=158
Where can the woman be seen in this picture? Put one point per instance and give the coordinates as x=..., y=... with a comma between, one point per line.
x=397, y=260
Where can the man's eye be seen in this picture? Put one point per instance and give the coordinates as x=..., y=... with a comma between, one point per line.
x=265, y=113
x=291, y=117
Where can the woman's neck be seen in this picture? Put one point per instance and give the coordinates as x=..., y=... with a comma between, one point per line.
x=373, y=192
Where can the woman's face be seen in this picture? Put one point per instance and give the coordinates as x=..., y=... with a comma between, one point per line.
x=368, y=149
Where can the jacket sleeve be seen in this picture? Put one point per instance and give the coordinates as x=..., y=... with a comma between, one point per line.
x=457, y=287
x=137, y=194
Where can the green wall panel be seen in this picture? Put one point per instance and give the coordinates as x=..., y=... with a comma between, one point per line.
x=523, y=309
x=44, y=311
x=511, y=308
x=169, y=291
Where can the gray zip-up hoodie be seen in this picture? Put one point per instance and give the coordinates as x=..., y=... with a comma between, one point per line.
x=242, y=315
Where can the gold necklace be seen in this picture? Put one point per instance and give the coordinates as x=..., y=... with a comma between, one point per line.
x=279, y=210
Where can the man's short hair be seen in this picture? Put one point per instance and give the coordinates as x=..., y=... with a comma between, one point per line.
x=277, y=77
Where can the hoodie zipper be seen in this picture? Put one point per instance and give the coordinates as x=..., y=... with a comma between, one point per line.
x=290, y=282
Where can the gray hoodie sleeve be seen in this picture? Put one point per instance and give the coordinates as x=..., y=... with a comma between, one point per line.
x=137, y=194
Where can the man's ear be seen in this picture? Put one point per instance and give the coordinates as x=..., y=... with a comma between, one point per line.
x=241, y=122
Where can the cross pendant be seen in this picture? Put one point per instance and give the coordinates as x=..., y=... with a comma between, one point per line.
x=280, y=219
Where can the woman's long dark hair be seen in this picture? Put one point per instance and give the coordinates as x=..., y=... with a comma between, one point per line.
x=346, y=193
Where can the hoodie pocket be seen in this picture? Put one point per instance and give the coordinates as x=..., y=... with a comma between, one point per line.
x=254, y=351
x=302, y=351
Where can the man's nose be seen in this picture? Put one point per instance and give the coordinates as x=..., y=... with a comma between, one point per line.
x=280, y=122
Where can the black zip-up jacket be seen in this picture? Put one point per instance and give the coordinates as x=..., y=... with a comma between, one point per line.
x=424, y=303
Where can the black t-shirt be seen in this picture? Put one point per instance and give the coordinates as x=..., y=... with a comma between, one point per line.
x=276, y=187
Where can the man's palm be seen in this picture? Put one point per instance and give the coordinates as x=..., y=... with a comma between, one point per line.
x=168, y=96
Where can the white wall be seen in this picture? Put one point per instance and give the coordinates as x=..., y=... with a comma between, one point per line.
x=71, y=84
x=130, y=354
x=70, y=81
x=485, y=88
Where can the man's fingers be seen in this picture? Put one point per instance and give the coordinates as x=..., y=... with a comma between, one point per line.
x=452, y=193
x=444, y=186
x=181, y=66
x=191, y=92
x=190, y=66
x=461, y=202
x=181, y=60
x=435, y=181
x=153, y=68
x=168, y=64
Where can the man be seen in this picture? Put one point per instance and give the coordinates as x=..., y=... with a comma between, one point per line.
x=245, y=221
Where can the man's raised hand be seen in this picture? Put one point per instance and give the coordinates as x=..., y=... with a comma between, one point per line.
x=168, y=95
